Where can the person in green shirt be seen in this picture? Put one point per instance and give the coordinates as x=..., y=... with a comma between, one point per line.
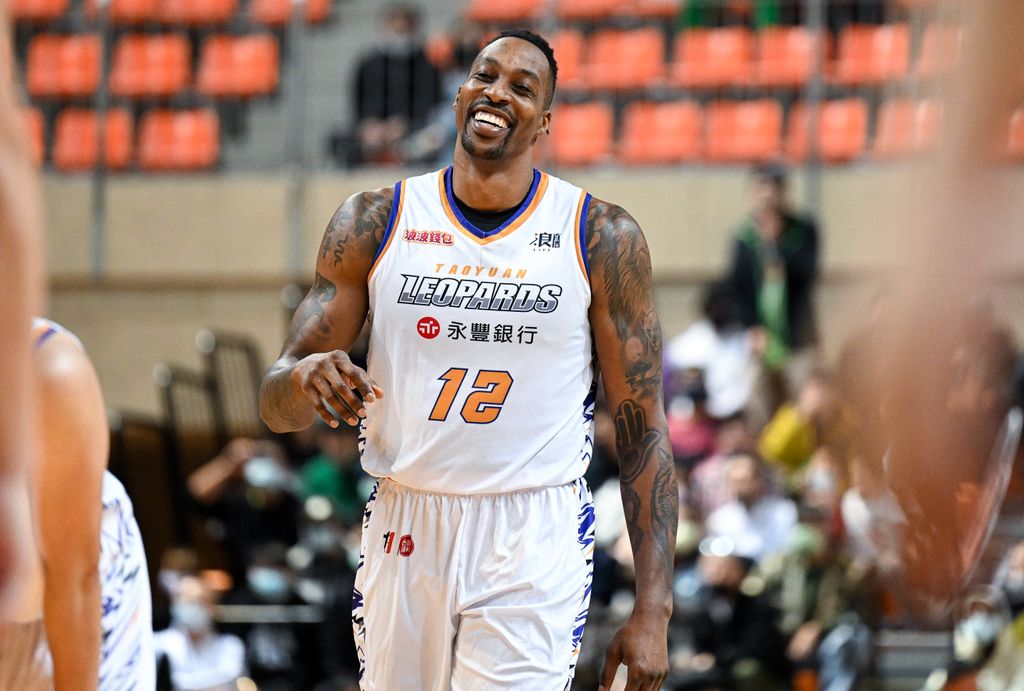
x=335, y=473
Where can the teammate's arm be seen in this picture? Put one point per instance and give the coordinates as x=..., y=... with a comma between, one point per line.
x=627, y=337
x=20, y=296
x=69, y=486
x=314, y=368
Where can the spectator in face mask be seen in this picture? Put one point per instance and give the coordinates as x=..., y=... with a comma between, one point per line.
x=1010, y=578
x=199, y=656
x=282, y=653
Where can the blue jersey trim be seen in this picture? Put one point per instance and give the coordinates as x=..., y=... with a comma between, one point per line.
x=44, y=337
x=472, y=228
x=583, y=233
x=392, y=219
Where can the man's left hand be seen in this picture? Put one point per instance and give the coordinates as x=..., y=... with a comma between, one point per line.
x=642, y=646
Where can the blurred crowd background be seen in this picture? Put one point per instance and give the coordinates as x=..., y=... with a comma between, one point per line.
x=760, y=143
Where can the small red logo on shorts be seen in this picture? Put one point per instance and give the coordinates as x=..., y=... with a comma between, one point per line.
x=406, y=545
x=428, y=327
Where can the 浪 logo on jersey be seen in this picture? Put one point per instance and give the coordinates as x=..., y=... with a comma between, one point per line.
x=428, y=237
x=428, y=327
x=546, y=241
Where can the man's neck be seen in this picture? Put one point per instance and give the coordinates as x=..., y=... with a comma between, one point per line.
x=491, y=185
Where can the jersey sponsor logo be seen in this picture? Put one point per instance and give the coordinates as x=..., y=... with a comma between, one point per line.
x=428, y=327
x=467, y=293
x=545, y=242
x=406, y=545
x=428, y=237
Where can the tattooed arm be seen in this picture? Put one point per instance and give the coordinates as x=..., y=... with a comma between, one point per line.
x=314, y=369
x=627, y=337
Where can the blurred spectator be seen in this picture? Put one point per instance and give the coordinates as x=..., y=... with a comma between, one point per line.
x=818, y=594
x=975, y=640
x=434, y=142
x=396, y=87
x=797, y=429
x=336, y=473
x=280, y=654
x=200, y=658
x=1010, y=578
x=719, y=346
x=691, y=429
x=757, y=521
x=248, y=495
x=772, y=272
x=708, y=486
x=726, y=633
x=873, y=518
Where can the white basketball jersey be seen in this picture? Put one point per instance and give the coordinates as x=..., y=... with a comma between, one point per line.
x=481, y=343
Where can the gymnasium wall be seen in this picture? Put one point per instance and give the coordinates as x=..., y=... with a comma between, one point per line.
x=183, y=253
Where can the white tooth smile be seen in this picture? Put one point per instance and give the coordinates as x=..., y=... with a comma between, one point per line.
x=491, y=119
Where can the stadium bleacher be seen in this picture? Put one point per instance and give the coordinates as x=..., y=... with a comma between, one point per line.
x=726, y=94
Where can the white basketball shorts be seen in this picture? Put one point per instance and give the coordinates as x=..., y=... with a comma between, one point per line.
x=473, y=592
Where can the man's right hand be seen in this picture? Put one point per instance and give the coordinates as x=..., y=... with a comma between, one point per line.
x=331, y=379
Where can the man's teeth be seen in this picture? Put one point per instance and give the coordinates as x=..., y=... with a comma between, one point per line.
x=490, y=119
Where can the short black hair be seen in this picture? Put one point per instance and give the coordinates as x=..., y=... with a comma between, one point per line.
x=771, y=171
x=544, y=47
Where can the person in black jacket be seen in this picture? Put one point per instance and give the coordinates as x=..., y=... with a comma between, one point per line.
x=772, y=272
x=396, y=87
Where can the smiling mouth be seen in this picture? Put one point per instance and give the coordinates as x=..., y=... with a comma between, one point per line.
x=491, y=119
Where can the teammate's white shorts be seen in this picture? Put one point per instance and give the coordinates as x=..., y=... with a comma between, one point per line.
x=473, y=592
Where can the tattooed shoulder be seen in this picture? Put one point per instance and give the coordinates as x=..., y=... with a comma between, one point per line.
x=357, y=228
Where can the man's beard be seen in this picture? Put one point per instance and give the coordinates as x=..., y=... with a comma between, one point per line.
x=490, y=153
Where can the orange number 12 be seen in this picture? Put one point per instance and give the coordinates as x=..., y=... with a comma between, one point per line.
x=483, y=404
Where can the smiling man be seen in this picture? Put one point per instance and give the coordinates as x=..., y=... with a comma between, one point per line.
x=492, y=290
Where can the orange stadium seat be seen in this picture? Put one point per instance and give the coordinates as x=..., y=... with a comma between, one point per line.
x=36, y=129
x=712, y=57
x=906, y=127
x=179, y=140
x=125, y=11
x=582, y=134
x=568, y=46
x=940, y=50
x=279, y=12
x=624, y=59
x=196, y=12
x=37, y=10
x=150, y=65
x=76, y=140
x=239, y=66
x=842, y=130
x=503, y=10
x=872, y=54
x=586, y=9
x=1016, y=143
x=63, y=65
x=660, y=133
x=785, y=56
x=743, y=131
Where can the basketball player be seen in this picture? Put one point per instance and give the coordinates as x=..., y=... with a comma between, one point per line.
x=20, y=295
x=489, y=287
x=87, y=603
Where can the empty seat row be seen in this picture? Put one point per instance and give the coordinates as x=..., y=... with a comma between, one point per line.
x=159, y=66
x=743, y=131
x=167, y=139
x=735, y=56
x=180, y=12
